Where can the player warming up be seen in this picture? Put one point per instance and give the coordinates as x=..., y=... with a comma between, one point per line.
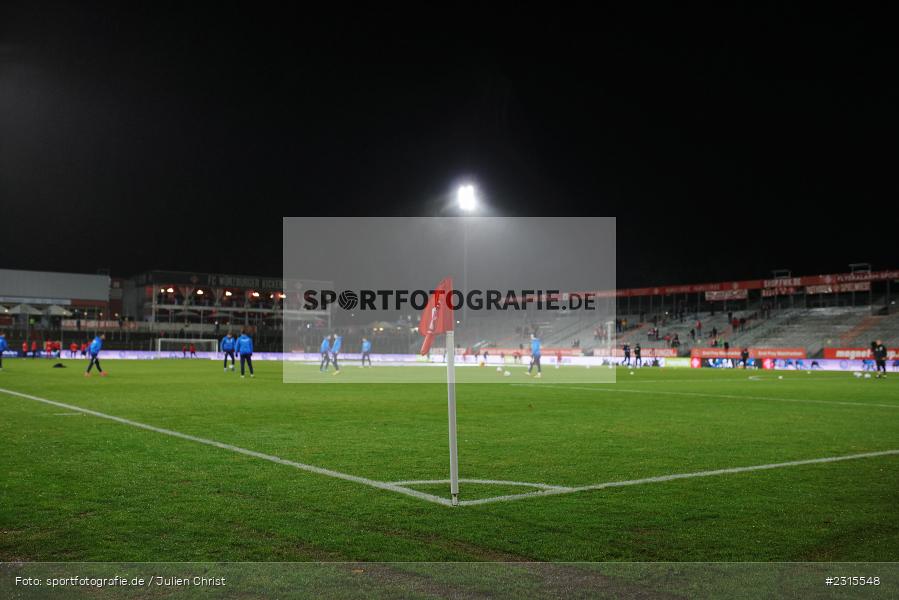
x=326, y=354
x=880, y=358
x=244, y=348
x=335, y=350
x=94, y=350
x=366, y=352
x=535, y=356
x=227, y=346
x=3, y=346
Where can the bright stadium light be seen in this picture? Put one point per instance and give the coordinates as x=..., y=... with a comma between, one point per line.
x=467, y=198
x=199, y=292
x=228, y=294
x=170, y=290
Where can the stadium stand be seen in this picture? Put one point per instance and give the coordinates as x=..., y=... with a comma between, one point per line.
x=839, y=310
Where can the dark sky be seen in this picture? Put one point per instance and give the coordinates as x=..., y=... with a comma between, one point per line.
x=726, y=143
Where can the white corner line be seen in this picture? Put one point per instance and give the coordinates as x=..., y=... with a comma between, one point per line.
x=541, y=486
x=275, y=459
x=663, y=478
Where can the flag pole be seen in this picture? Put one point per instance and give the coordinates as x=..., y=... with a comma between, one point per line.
x=451, y=406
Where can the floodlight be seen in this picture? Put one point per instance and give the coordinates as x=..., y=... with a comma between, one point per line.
x=467, y=198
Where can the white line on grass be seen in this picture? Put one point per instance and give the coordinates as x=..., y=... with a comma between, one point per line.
x=275, y=459
x=542, y=486
x=706, y=395
x=662, y=478
x=544, y=489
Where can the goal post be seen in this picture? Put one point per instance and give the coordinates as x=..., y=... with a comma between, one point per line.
x=174, y=347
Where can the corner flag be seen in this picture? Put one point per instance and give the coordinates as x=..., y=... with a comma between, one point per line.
x=437, y=318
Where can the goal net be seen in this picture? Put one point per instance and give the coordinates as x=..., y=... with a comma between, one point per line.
x=179, y=348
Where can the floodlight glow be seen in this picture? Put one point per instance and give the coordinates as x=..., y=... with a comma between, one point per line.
x=255, y=294
x=467, y=198
x=228, y=294
x=199, y=292
x=170, y=290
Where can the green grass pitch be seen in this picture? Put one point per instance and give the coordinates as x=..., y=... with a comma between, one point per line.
x=78, y=487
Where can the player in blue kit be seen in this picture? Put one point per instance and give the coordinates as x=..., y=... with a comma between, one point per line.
x=244, y=347
x=325, y=349
x=94, y=351
x=227, y=346
x=335, y=350
x=366, y=351
x=535, y=356
x=3, y=347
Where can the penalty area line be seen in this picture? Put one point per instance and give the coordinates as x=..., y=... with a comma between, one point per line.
x=381, y=485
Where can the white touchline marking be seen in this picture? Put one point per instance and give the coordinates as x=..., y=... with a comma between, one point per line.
x=705, y=395
x=275, y=459
x=662, y=478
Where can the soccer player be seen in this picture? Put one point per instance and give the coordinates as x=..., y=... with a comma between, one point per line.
x=366, y=351
x=627, y=355
x=3, y=346
x=335, y=350
x=558, y=358
x=325, y=349
x=227, y=346
x=880, y=357
x=244, y=347
x=94, y=350
x=638, y=361
x=34, y=350
x=535, y=356
x=744, y=357
x=83, y=349
x=73, y=350
x=193, y=350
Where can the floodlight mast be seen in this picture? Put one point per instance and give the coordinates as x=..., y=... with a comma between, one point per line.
x=467, y=198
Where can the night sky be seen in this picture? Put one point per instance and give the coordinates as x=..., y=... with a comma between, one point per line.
x=727, y=144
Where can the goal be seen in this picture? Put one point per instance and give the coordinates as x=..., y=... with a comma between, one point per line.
x=173, y=347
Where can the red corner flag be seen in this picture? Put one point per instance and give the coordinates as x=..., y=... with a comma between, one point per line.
x=437, y=317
